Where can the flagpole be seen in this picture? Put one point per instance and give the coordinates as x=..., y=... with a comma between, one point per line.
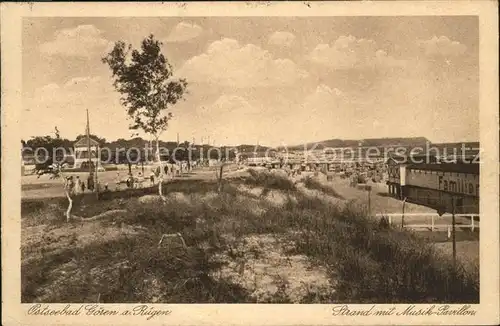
x=91, y=171
x=88, y=145
x=96, y=170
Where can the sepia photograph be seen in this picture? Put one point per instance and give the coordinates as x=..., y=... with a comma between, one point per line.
x=288, y=159
x=194, y=159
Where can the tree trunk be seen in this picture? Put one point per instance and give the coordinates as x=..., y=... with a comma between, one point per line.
x=160, y=176
x=66, y=191
x=220, y=177
x=70, y=206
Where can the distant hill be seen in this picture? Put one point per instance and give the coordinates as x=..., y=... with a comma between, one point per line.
x=372, y=142
x=467, y=145
x=251, y=148
x=466, y=149
x=246, y=149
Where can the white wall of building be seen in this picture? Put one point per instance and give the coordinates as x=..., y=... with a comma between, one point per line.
x=462, y=183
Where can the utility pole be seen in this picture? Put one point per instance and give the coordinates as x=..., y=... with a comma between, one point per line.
x=369, y=188
x=150, y=149
x=90, y=179
x=96, y=170
x=453, y=238
x=88, y=143
x=403, y=215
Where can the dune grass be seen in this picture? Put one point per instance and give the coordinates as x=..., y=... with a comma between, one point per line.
x=367, y=261
x=376, y=264
x=132, y=267
x=312, y=183
x=269, y=180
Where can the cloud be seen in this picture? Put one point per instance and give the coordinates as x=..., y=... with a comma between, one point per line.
x=226, y=106
x=81, y=41
x=442, y=46
x=349, y=52
x=229, y=104
x=323, y=101
x=76, y=81
x=74, y=90
x=319, y=113
x=326, y=112
x=183, y=32
x=65, y=104
x=230, y=119
x=228, y=63
x=234, y=119
x=281, y=38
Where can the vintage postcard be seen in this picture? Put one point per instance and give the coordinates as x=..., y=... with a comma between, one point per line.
x=277, y=163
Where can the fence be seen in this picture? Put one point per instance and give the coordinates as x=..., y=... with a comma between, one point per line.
x=474, y=220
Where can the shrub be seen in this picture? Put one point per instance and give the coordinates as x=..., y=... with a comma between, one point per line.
x=312, y=183
x=373, y=263
x=129, y=270
x=269, y=180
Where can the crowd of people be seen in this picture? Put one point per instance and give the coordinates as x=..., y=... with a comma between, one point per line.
x=76, y=186
x=142, y=179
x=355, y=172
x=135, y=182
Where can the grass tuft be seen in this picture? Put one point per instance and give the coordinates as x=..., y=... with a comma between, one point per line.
x=269, y=180
x=314, y=184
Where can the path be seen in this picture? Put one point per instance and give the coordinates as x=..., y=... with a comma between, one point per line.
x=260, y=264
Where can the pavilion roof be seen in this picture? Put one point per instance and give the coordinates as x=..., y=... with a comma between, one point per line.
x=83, y=142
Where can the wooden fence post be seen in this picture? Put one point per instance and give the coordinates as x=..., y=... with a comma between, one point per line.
x=472, y=221
x=432, y=223
x=403, y=215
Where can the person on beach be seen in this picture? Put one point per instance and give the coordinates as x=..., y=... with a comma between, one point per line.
x=78, y=185
x=70, y=185
x=140, y=179
x=90, y=183
x=152, y=178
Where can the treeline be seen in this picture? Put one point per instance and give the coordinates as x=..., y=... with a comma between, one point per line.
x=122, y=151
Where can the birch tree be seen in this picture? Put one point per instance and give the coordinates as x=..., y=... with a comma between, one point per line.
x=53, y=169
x=143, y=77
x=56, y=173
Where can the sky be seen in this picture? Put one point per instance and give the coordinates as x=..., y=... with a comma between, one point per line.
x=272, y=81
